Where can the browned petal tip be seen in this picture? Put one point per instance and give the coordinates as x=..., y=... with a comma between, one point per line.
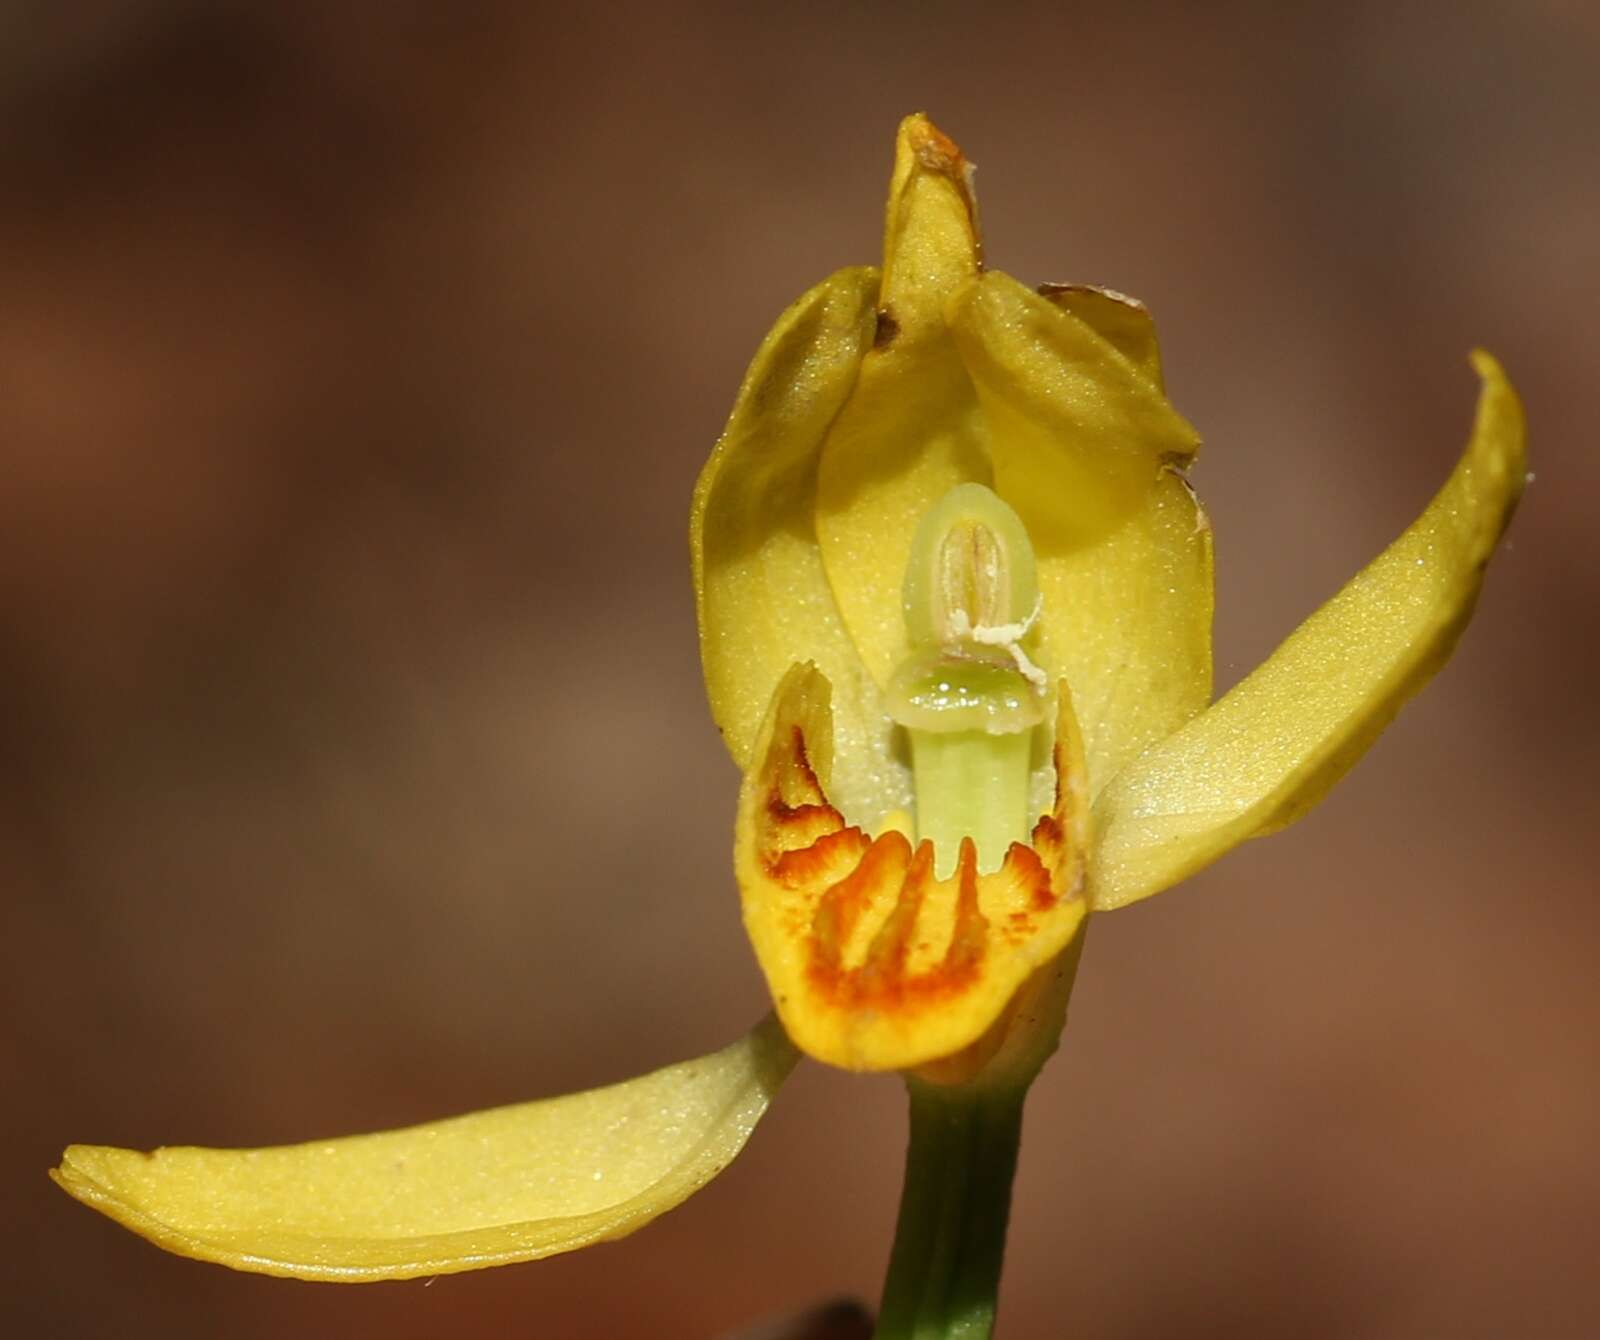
x=924, y=148
x=935, y=150
x=1050, y=290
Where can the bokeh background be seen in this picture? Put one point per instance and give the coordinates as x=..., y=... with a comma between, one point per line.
x=356, y=362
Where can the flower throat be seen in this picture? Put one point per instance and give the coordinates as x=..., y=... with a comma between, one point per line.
x=967, y=693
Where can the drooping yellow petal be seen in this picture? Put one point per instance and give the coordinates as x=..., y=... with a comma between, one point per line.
x=761, y=594
x=1088, y=451
x=874, y=962
x=506, y=1185
x=1268, y=751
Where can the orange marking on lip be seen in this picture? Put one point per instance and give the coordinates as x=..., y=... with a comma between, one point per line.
x=1047, y=832
x=886, y=955
x=806, y=865
x=885, y=862
x=882, y=981
x=807, y=842
x=1023, y=864
x=803, y=834
x=804, y=818
x=794, y=787
x=972, y=927
x=875, y=962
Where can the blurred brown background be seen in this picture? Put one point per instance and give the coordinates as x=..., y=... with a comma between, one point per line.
x=356, y=362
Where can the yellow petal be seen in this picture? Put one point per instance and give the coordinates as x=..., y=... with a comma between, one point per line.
x=506, y=1185
x=910, y=431
x=1077, y=432
x=873, y=962
x=1088, y=451
x=1269, y=750
x=761, y=594
x=931, y=240
x=1127, y=621
x=1122, y=321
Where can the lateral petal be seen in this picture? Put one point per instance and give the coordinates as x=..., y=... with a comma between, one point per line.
x=1077, y=430
x=1088, y=451
x=1125, y=322
x=761, y=594
x=510, y=1184
x=1269, y=750
x=1128, y=622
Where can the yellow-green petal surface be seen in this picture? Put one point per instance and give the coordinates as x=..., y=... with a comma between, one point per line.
x=510, y=1184
x=1127, y=622
x=762, y=595
x=1269, y=750
x=1076, y=428
x=1125, y=322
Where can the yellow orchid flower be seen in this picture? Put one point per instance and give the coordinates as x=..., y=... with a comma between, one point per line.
x=876, y=401
x=954, y=594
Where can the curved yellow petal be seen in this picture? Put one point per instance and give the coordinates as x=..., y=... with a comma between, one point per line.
x=1077, y=432
x=1090, y=454
x=1122, y=321
x=874, y=962
x=1268, y=751
x=510, y=1184
x=760, y=591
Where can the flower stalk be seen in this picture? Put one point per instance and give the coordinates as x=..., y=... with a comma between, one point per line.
x=944, y=1272
x=943, y=1281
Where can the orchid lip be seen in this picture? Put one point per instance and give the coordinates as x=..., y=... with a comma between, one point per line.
x=878, y=957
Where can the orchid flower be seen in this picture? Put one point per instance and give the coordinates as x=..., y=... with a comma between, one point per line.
x=955, y=593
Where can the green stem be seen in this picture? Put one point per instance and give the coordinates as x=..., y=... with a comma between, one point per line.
x=944, y=1273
